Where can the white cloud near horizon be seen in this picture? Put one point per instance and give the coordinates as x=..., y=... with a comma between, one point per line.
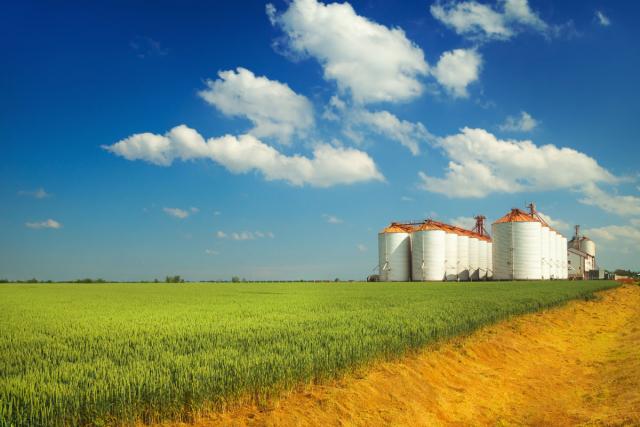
x=332, y=219
x=329, y=165
x=49, y=223
x=274, y=109
x=457, y=69
x=245, y=235
x=555, y=223
x=39, y=193
x=370, y=61
x=523, y=123
x=480, y=21
x=602, y=19
x=466, y=222
x=481, y=164
x=177, y=212
x=610, y=201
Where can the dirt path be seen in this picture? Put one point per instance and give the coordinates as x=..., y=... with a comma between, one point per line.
x=574, y=365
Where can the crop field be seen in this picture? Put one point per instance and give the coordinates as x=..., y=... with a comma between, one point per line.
x=73, y=354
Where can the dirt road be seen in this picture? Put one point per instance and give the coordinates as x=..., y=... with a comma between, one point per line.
x=574, y=365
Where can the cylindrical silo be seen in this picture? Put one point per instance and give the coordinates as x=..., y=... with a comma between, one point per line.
x=565, y=267
x=474, y=257
x=490, y=260
x=463, y=256
x=482, y=258
x=587, y=245
x=544, y=252
x=517, y=247
x=559, y=247
x=451, y=254
x=394, y=254
x=553, y=249
x=428, y=252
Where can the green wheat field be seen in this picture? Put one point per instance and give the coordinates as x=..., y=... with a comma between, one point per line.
x=113, y=354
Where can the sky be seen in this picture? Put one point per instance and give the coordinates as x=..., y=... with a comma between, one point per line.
x=273, y=140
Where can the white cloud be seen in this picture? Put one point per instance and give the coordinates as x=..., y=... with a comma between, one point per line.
x=49, y=223
x=555, y=223
x=610, y=201
x=40, y=193
x=524, y=123
x=481, y=164
x=624, y=236
x=368, y=60
x=602, y=19
x=388, y=125
x=329, y=165
x=457, y=69
x=361, y=247
x=245, y=235
x=466, y=222
x=406, y=199
x=194, y=210
x=332, y=219
x=482, y=22
x=211, y=252
x=275, y=110
x=176, y=212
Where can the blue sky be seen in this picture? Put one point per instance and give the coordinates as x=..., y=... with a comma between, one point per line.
x=302, y=128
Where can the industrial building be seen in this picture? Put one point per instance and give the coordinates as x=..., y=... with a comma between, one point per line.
x=524, y=247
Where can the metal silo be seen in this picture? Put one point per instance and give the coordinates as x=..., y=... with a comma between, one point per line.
x=565, y=267
x=428, y=252
x=463, y=256
x=483, y=261
x=544, y=252
x=587, y=245
x=553, y=253
x=559, y=257
x=489, y=260
x=517, y=246
x=451, y=254
x=394, y=254
x=474, y=257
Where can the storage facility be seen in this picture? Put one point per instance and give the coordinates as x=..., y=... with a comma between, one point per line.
x=524, y=247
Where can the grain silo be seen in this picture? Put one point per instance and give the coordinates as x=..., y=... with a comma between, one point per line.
x=483, y=260
x=559, y=257
x=394, y=254
x=565, y=267
x=489, y=260
x=517, y=246
x=553, y=253
x=451, y=253
x=545, y=262
x=474, y=256
x=463, y=255
x=428, y=251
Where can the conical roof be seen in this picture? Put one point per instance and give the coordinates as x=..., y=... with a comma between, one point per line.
x=395, y=228
x=517, y=215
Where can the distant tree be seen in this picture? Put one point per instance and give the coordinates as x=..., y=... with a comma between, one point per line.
x=235, y=279
x=336, y=280
x=4, y=281
x=174, y=279
x=34, y=280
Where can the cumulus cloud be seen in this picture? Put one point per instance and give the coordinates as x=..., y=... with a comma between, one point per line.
x=367, y=60
x=274, y=109
x=49, y=223
x=329, y=165
x=523, y=123
x=482, y=22
x=555, y=223
x=221, y=234
x=211, y=252
x=622, y=235
x=406, y=199
x=602, y=19
x=361, y=247
x=40, y=193
x=176, y=212
x=610, y=201
x=408, y=134
x=466, y=222
x=332, y=219
x=457, y=69
x=481, y=164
